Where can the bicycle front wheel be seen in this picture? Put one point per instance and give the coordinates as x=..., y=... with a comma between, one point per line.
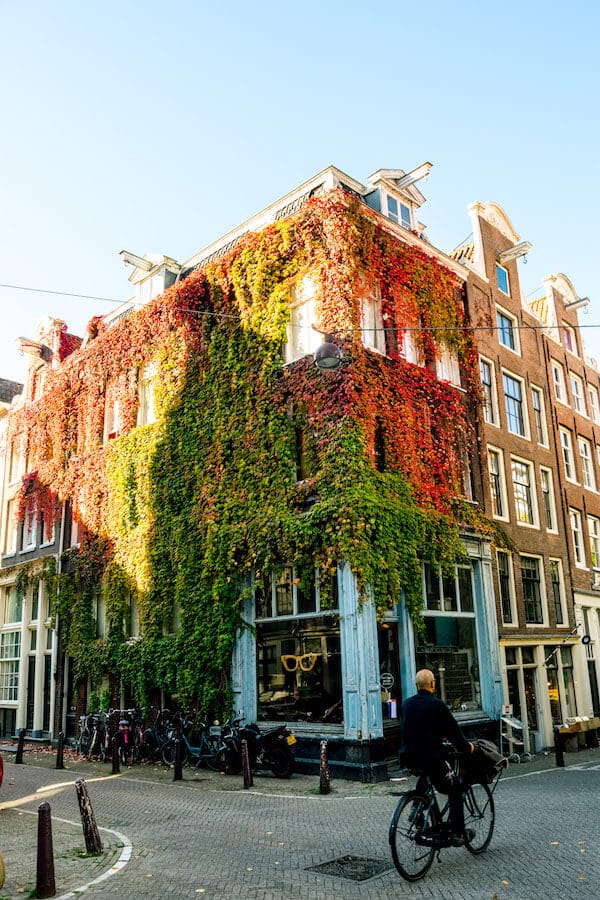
x=410, y=823
x=168, y=754
x=480, y=817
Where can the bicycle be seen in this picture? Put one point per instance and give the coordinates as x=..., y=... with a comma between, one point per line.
x=203, y=750
x=84, y=736
x=157, y=734
x=420, y=828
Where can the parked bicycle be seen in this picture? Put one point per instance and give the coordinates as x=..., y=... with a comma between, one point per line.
x=126, y=727
x=270, y=749
x=420, y=827
x=199, y=742
x=157, y=734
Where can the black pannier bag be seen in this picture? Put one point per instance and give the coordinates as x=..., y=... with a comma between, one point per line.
x=484, y=763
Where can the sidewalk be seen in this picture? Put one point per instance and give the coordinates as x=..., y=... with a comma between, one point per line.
x=24, y=785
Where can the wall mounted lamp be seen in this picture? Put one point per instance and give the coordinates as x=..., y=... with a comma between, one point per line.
x=329, y=355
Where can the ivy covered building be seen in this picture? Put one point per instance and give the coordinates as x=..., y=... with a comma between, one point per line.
x=206, y=515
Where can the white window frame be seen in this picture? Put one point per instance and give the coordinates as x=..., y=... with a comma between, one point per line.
x=490, y=394
x=146, y=414
x=371, y=323
x=588, y=471
x=10, y=658
x=515, y=347
x=593, y=523
x=555, y=561
x=30, y=522
x=409, y=349
x=547, y=489
x=402, y=214
x=447, y=367
x=577, y=394
x=302, y=339
x=502, y=277
x=594, y=398
x=523, y=404
x=542, y=587
x=569, y=339
x=539, y=412
x=577, y=538
x=10, y=528
x=532, y=494
x=514, y=620
x=497, y=454
x=566, y=444
x=558, y=380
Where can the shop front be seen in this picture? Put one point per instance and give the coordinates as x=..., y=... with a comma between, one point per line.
x=333, y=673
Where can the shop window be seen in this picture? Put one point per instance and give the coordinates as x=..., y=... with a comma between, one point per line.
x=389, y=669
x=299, y=674
x=449, y=646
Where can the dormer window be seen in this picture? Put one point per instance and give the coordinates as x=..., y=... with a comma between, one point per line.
x=399, y=212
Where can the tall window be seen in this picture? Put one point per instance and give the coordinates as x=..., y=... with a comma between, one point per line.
x=146, y=406
x=449, y=644
x=502, y=279
x=506, y=587
x=558, y=377
x=302, y=340
x=507, y=334
x=10, y=653
x=14, y=606
x=577, y=535
x=10, y=527
x=557, y=590
x=447, y=367
x=532, y=590
x=30, y=528
x=594, y=533
x=409, y=349
x=298, y=667
x=594, y=402
x=569, y=339
x=539, y=417
x=486, y=373
x=513, y=398
x=496, y=470
x=522, y=476
x=547, y=486
x=373, y=335
x=566, y=443
x=112, y=418
x=577, y=394
x=587, y=464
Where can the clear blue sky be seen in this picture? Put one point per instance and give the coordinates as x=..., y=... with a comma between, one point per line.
x=157, y=127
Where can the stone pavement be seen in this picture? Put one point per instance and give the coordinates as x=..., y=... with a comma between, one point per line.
x=207, y=836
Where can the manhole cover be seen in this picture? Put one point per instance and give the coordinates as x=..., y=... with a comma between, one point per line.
x=357, y=868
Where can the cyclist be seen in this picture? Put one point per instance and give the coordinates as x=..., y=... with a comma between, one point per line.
x=426, y=724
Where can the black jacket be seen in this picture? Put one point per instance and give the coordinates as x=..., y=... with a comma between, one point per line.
x=425, y=723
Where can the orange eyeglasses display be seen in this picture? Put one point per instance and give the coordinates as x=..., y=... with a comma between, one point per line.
x=306, y=662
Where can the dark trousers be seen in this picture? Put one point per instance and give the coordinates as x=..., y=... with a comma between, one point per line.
x=446, y=782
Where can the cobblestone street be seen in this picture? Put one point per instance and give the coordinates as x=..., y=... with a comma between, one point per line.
x=207, y=836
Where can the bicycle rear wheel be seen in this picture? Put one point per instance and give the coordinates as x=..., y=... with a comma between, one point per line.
x=168, y=754
x=410, y=822
x=480, y=817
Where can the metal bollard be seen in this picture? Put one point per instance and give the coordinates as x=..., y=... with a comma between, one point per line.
x=116, y=769
x=93, y=844
x=20, y=744
x=324, y=776
x=559, y=747
x=60, y=751
x=45, y=885
x=177, y=767
x=246, y=770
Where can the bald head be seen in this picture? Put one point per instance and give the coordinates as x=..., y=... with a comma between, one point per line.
x=425, y=680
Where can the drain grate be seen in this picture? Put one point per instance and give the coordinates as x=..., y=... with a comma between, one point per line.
x=357, y=868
